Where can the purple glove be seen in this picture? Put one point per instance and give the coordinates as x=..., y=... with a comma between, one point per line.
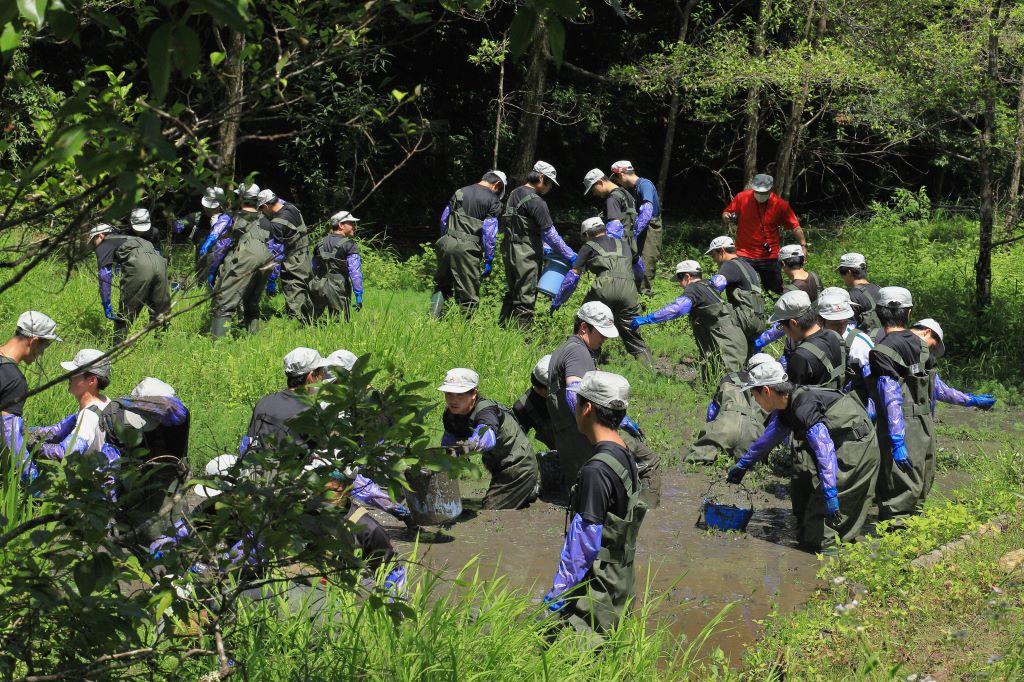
x=582, y=542
x=566, y=290
x=770, y=335
x=551, y=237
x=483, y=439
x=892, y=400
x=444, y=219
x=220, y=252
x=643, y=217
x=712, y=412
x=106, y=277
x=614, y=229
x=372, y=495
x=719, y=282
x=774, y=433
x=490, y=237
x=570, y=394
x=824, y=455
x=639, y=269
x=355, y=273
x=55, y=433
x=948, y=394
x=12, y=429
x=676, y=309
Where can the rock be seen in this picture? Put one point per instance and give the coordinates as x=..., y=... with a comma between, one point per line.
x=990, y=528
x=1010, y=561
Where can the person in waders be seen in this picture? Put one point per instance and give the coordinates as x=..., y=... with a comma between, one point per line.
x=246, y=268
x=143, y=277
x=618, y=210
x=733, y=421
x=612, y=264
x=792, y=259
x=853, y=268
x=835, y=312
x=531, y=410
x=835, y=464
x=141, y=225
x=742, y=288
x=469, y=232
x=528, y=227
x=714, y=326
x=289, y=229
x=486, y=427
x=906, y=387
x=648, y=228
x=594, y=582
x=337, y=269
x=814, y=356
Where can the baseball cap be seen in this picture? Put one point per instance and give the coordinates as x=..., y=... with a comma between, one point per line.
x=547, y=170
x=218, y=466
x=343, y=217
x=852, y=260
x=248, y=191
x=591, y=225
x=265, y=197
x=86, y=356
x=345, y=359
x=599, y=316
x=605, y=389
x=769, y=373
x=762, y=182
x=936, y=329
x=302, y=360
x=790, y=305
x=723, y=242
x=688, y=267
x=151, y=387
x=895, y=297
x=213, y=197
x=139, y=220
x=459, y=380
x=834, y=304
x=593, y=176
x=540, y=370
x=36, y=324
x=791, y=251
x=99, y=228
x=622, y=167
x=504, y=181
x=758, y=359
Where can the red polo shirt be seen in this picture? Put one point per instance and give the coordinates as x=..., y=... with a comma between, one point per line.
x=760, y=224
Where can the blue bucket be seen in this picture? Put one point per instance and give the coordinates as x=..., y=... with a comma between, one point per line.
x=552, y=276
x=725, y=516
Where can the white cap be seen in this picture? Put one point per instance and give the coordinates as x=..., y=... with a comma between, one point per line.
x=599, y=316
x=605, y=389
x=345, y=359
x=762, y=182
x=218, y=466
x=723, y=242
x=895, y=297
x=936, y=330
x=790, y=306
x=36, y=324
x=248, y=191
x=459, y=380
x=504, y=181
x=593, y=176
x=151, y=387
x=343, y=217
x=791, y=251
x=770, y=373
x=688, y=267
x=302, y=361
x=265, y=197
x=540, y=370
x=99, y=228
x=758, y=359
x=85, y=357
x=622, y=167
x=852, y=260
x=139, y=220
x=834, y=304
x=591, y=225
x=547, y=170
x=213, y=197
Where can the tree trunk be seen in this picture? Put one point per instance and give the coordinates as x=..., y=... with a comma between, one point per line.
x=786, y=158
x=1013, y=200
x=673, y=104
x=533, y=102
x=753, y=104
x=983, y=268
x=499, y=114
x=234, y=92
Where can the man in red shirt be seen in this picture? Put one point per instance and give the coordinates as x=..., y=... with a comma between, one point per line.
x=761, y=216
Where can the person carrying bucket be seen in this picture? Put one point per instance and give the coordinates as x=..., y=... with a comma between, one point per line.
x=594, y=581
x=611, y=262
x=528, y=226
x=486, y=427
x=742, y=287
x=838, y=447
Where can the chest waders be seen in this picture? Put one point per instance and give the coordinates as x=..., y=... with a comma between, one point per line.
x=295, y=269
x=649, y=242
x=522, y=251
x=740, y=421
x=748, y=304
x=459, y=252
x=902, y=494
x=615, y=286
x=610, y=581
x=716, y=333
x=143, y=283
x=868, y=318
x=648, y=465
x=573, y=448
x=628, y=220
x=512, y=463
x=856, y=446
x=330, y=289
x=243, y=274
x=835, y=374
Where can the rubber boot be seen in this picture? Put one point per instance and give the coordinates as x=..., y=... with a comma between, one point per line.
x=219, y=327
x=253, y=325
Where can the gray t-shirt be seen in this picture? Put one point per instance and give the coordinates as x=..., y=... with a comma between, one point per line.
x=571, y=359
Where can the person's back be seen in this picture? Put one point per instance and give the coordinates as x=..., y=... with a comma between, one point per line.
x=809, y=283
x=531, y=411
x=819, y=360
x=270, y=423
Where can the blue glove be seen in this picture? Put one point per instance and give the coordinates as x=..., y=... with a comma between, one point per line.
x=631, y=427
x=900, y=455
x=211, y=279
x=572, y=259
x=831, y=501
x=108, y=310
x=554, y=306
x=272, y=287
x=982, y=401
x=639, y=321
x=736, y=474
x=487, y=269
x=553, y=605
x=359, y=301
x=758, y=343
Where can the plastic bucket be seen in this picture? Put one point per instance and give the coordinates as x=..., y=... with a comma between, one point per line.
x=433, y=498
x=552, y=276
x=718, y=516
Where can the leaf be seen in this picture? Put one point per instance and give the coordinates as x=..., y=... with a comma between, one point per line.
x=216, y=58
x=33, y=11
x=556, y=39
x=159, y=58
x=233, y=13
x=9, y=38
x=85, y=578
x=398, y=95
x=186, y=48
x=103, y=569
x=520, y=34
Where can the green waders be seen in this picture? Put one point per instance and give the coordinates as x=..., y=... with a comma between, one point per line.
x=573, y=448
x=515, y=478
x=330, y=290
x=295, y=270
x=900, y=493
x=615, y=287
x=243, y=274
x=610, y=582
x=522, y=252
x=648, y=465
x=143, y=283
x=717, y=336
x=459, y=252
x=649, y=244
x=867, y=319
x=836, y=373
x=857, y=470
x=748, y=305
x=740, y=421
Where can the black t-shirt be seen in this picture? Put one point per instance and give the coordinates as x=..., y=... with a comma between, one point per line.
x=479, y=202
x=735, y=276
x=600, y=489
x=107, y=248
x=806, y=370
x=865, y=298
x=907, y=344
x=571, y=359
x=271, y=417
x=809, y=286
x=807, y=409
x=702, y=294
x=341, y=248
x=617, y=205
x=290, y=214
x=535, y=210
x=461, y=426
x=587, y=252
x=13, y=388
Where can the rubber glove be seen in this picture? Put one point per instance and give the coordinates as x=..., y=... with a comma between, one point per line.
x=631, y=427
x=487, y=269
x=359, y=301
x=736, y=474
x=831, y=501
x=572, y=259
x=553, y=605
x=639, y=322
x=108, y=310
x=272, y=287
x=759, y=343
x=983, y=401
x=899, y=454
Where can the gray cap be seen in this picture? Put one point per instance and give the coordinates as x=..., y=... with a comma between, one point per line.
x=83, y=358
x=213, y=197
x=265, y=197
x=936, y=329
x=593, y=176
x=605, y=389
x=151, y=387
x=852, y=260
x=98, y=229
x=591, y=225
x=345, y=359
x=723, y=242
x=218, y=466
x=139, y=220
x=895, y=297
x=834, y=304
x=599, y=316
x=622, y=167
x=547, y=170
x=459, y=380
x=248, y=192
x=790, y=306
x=36, y=324
x=791, y=251
x=343, y=217
x=758, y=359
x=688, y=267
x=769, y=373
x=540, y=370
x=762, y=182
x=302, y=361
